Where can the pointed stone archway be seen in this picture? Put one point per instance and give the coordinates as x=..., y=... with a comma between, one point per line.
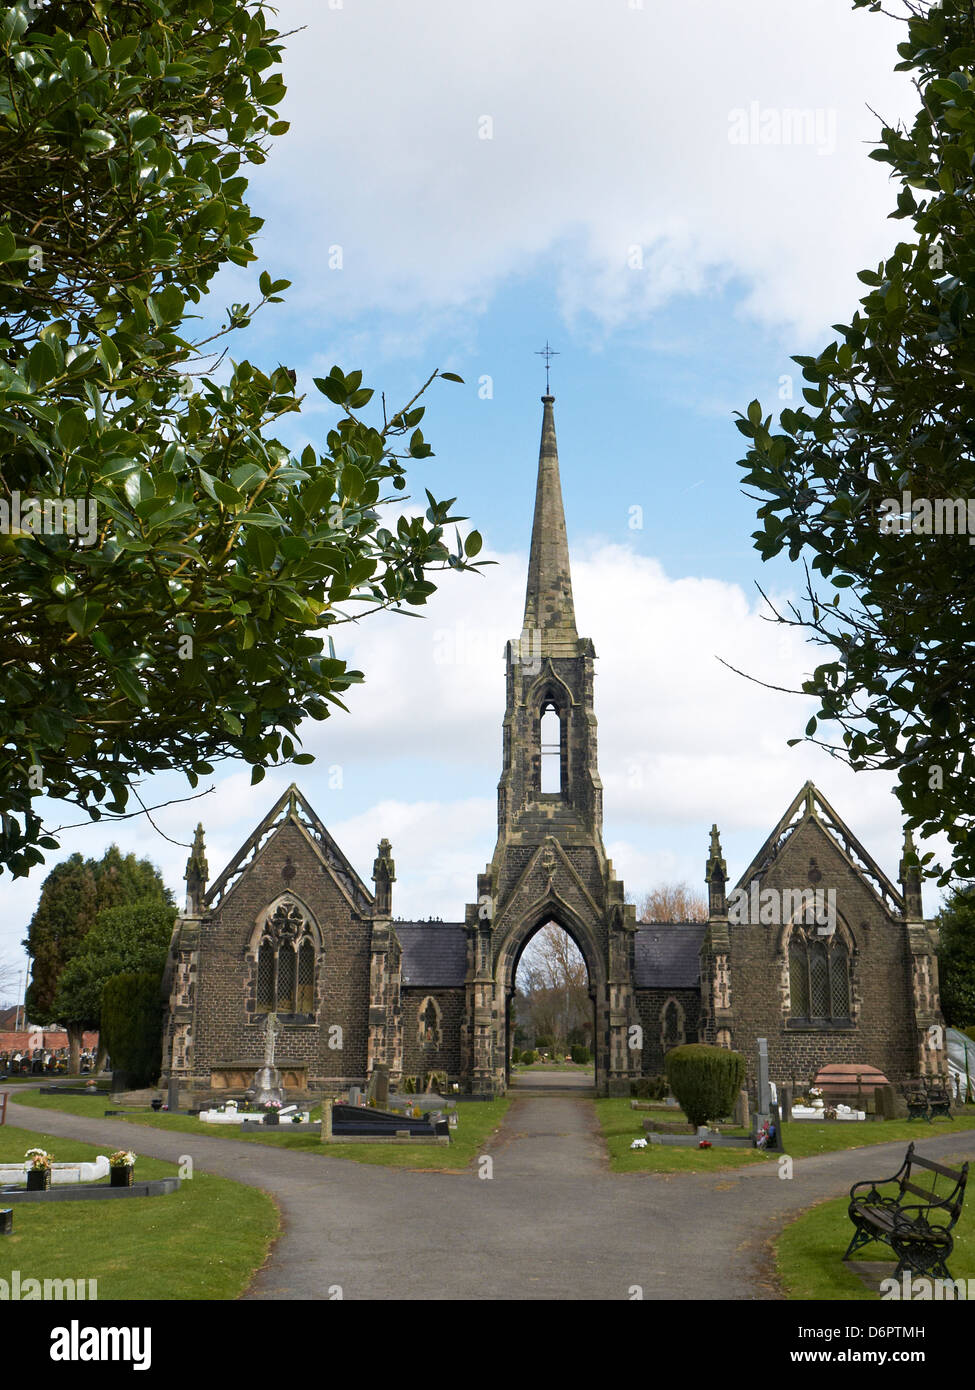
x=552, y=912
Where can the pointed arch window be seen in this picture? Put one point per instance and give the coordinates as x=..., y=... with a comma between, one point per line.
x=429, y=1023
x=550, y=748
x=819, y=978
x=286, y=960
x=672, y=1025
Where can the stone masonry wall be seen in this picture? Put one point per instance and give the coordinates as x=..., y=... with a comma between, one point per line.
x=883, y=1033
x=650, y=1005
x=418, y=1058
x=227, y=1027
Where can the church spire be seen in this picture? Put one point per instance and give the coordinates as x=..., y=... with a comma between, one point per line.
x=548, y=603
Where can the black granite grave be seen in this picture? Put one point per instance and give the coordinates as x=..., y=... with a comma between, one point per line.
x=363, y=1119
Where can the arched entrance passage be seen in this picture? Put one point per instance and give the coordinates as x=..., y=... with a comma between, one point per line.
x=509, y=959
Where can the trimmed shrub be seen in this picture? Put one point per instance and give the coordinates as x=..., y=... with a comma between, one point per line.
x=528, y=1057
x=580, y=1054
x=705, y=1080
x=515, y=1056
x=131, y=1025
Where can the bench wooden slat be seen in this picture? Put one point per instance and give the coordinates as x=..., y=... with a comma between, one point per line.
x=924, y=1192
x=955, y=1174
x=888, y=1220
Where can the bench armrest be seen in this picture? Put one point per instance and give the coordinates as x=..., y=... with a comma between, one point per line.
x=869, y=1187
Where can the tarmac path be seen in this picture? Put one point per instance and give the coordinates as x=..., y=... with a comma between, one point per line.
x=545, y=1219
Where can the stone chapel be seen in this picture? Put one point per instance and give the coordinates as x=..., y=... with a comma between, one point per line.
x=290, y=927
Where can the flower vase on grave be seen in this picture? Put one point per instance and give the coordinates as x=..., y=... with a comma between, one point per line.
x=272, y=1117
x=38, y=1179
x=120, y=1176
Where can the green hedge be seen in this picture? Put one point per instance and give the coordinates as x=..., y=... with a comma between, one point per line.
x=706, y=1080
x=580, y=1054
x=528, y=1057
x=132, y=1011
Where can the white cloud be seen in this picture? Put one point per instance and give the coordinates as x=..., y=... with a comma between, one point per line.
x=611, y=128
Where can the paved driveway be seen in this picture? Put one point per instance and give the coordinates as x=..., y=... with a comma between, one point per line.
x=550, y=1221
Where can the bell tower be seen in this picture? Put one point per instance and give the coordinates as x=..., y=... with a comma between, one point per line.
x=549, y=780
x=549, y=863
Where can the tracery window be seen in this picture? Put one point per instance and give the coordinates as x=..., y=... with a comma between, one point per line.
x=819, y=977
x=286, y=963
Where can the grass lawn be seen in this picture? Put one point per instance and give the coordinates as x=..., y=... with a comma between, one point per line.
x=203, y=1242
x=476, y=1120
x=809, y=1253
x=554, y=1066
x=621, y=1126
x=55, y=1079
x=804, y=1140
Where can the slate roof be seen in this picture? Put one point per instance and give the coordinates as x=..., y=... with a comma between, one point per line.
x=434, y=953
x=667, y=955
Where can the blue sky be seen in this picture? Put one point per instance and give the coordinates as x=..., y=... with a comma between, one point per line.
x=675, y=270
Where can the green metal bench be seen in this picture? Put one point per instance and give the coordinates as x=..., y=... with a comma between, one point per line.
x=918, y=1232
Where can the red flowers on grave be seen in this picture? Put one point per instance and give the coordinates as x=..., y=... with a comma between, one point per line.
x=705, y=1144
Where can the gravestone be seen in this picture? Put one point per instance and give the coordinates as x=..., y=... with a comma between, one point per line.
x=777, y=1145
x=326, y=1119
x=742, y=1112
x=885, y=1099
x=785, y=1102
x=378, y=1091
x=355, y=1095
x=763, y=1103
x=173, y=1095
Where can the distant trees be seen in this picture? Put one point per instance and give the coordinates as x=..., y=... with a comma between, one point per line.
x=956, y=957
x=672, y=902
x=131, y=938
x=554, y=985
x=8, y=984
x=73, y=895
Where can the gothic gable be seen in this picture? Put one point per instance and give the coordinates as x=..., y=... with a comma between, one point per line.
x=292, y=810
x=548, y=880
x=811, y=836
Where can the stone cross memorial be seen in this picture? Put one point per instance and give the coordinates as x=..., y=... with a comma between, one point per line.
x=267, y=1080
